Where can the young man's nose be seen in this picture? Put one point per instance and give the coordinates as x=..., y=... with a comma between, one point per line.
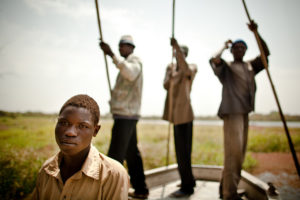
x=71, y=131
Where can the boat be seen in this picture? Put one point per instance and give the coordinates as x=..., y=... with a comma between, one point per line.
x=164, y=180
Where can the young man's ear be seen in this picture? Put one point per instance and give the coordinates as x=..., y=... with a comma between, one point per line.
x=97, y=128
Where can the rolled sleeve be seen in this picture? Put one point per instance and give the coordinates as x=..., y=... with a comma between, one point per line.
x=257, y=64
x=218, y=68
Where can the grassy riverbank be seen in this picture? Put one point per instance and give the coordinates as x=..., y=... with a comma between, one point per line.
x=27, y=141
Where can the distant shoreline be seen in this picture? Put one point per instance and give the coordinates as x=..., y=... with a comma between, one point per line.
x=271, y=117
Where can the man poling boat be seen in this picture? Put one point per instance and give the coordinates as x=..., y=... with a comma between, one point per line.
x=265, y=63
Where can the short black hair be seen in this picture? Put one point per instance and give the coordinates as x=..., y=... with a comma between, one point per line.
x=184, y=49
x=84, y=101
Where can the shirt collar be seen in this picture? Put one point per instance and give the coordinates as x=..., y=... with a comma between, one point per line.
x=51, y=166
x=90, y=167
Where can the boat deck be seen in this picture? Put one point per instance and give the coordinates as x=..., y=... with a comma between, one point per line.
x=205, y=190
x=165, y=180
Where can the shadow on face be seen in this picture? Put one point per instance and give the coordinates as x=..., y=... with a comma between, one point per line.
x=238, y=51
x=125, y=50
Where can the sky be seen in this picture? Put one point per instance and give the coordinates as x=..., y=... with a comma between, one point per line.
x=49, y=50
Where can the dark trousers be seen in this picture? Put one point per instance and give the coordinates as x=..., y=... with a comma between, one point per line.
x=183, y=134
x=123, y=146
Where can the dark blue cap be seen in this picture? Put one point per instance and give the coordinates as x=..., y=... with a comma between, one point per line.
x=239, y=41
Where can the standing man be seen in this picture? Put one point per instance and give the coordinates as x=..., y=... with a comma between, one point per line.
x=125, y=106
x=238, y=97
x=180, y=77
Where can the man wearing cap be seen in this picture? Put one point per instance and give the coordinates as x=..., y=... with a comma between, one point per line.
x=238, y=95
x=125, y=106
x=178, y=83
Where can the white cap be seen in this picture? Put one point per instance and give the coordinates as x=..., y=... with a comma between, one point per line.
x=127, y=39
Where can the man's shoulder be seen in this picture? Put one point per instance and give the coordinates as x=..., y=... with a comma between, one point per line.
x=133, y=57
x=192, y=66
x=108, y=168
x=50, y=161
x=170, y=66
x=111, y=166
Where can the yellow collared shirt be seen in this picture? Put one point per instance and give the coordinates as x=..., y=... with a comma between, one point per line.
x=99, y=178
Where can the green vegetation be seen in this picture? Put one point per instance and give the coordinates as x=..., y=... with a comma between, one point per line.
x=26, y=141
x=273, y=116
x=24, y=145
x=272, y=139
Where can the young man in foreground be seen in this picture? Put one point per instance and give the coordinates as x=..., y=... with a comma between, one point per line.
x=79, y=171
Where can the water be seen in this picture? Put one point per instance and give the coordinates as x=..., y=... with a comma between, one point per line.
x=274, y=124
x=220, y=123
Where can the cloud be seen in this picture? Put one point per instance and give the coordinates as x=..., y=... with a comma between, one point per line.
x=75, y=8
x=4, y=45
x=5, y=74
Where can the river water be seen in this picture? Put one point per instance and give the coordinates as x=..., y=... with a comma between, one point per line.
x=220, y=123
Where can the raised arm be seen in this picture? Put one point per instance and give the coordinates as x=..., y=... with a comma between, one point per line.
x=253, y=27
x=217, y=64
x=180, y=57
x=216, y=59
x=257, y=63
x=129, y=68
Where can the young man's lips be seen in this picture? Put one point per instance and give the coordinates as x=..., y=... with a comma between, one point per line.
x=66, y=142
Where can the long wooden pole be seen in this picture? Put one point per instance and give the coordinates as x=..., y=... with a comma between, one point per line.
x=101, y=39
x=170, y=92
x=173, y=19
x=265, y=63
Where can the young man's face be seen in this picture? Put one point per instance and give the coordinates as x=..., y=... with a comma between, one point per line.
x=238, y=51
x=74, y=130
x=125, y=50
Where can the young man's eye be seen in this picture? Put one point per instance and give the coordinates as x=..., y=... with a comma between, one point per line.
x=63, y=123
x=83, y=126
